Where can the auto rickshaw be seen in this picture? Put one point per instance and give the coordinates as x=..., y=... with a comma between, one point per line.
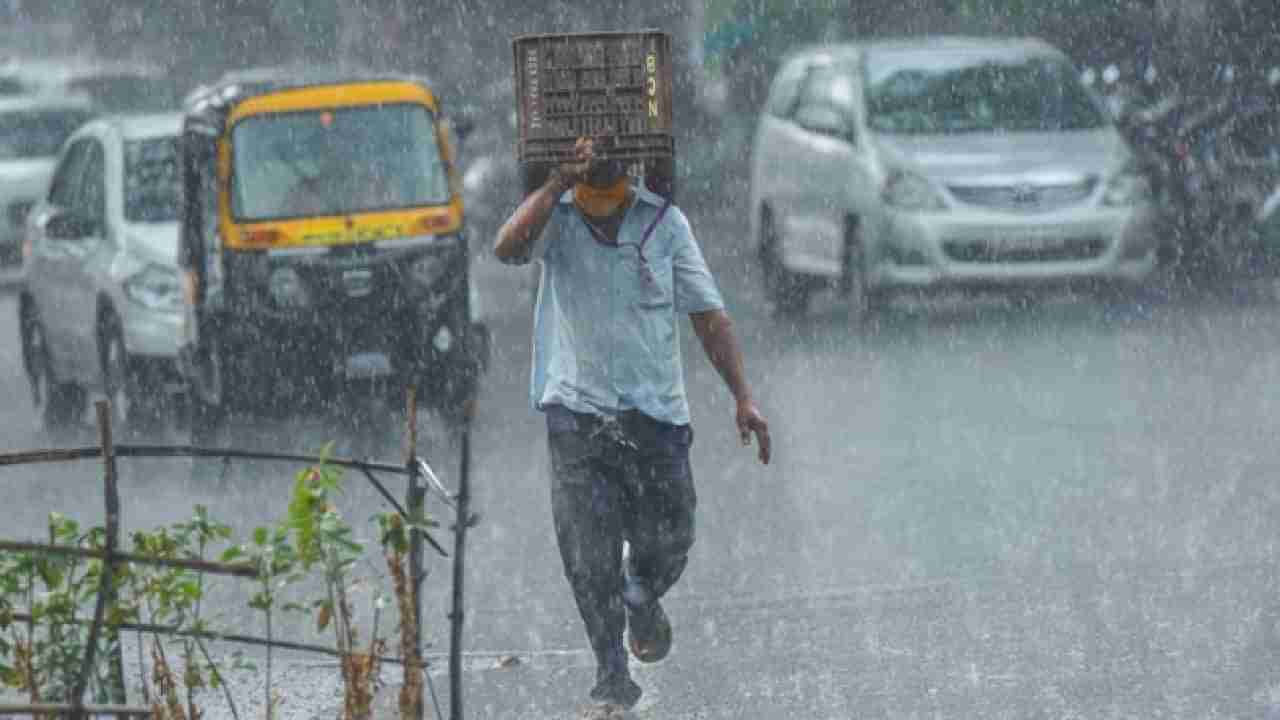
x=323, y=248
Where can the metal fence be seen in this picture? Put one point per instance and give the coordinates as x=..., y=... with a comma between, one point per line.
x=419, y=481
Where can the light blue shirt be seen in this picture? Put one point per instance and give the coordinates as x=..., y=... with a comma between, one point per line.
x=604, y=336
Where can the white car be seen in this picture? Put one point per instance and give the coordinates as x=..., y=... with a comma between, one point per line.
x=941, y=162
x=31, y=132
x=115, y=86
x=102, y=303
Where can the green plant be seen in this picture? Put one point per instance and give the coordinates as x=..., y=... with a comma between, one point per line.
x=43, y=597
x=173, y=597
x=326, y=542
x=17, y=669
x=275, y=559
x=47, y=647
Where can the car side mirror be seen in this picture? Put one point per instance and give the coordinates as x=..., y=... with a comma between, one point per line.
x=826, y=121
x=67, y=225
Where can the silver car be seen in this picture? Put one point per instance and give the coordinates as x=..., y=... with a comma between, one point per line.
x=101, y=305
x=941, y=162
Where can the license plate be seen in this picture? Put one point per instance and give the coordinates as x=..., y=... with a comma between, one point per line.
x=368, y=364
x=1025, y=244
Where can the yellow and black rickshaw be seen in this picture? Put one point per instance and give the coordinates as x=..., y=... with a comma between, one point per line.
x=322, y=247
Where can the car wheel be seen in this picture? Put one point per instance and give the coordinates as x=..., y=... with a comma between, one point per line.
x=31, y=363
x=132, y=408
x=206, y=421
x=457, y=391
x=1214, y=263
x=180, y=412
x=789, y=292
x=370, y=418
x=61, y=404
x=864, y=300
x=480, y=346
x=208, y=416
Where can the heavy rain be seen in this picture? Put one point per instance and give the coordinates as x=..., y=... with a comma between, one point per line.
x=1002, y=277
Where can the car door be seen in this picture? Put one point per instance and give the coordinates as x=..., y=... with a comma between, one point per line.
x=825, y=113
x=84, y=257
x=49, y=267
x=776, y=162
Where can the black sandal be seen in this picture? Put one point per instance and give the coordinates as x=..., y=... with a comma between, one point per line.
x=649, y=632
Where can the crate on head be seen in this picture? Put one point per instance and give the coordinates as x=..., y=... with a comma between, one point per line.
x=614, y=87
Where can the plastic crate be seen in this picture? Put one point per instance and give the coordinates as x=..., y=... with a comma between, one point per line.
x=615, y=87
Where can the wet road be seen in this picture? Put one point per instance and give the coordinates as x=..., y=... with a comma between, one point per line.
x=976, y=509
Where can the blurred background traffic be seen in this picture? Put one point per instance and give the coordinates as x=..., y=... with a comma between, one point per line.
x=1168, y=70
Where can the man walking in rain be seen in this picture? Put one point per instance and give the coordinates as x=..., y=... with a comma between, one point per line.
x=619, y=264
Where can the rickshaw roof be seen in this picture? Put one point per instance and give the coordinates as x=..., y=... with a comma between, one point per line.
x=209, y=108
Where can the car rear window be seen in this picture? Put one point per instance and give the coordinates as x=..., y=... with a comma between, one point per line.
x=37, y=133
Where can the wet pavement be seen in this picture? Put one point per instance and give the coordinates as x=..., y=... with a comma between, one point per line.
x=977, y=508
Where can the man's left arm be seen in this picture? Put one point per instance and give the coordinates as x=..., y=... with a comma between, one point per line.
x=715, y=330
x=696, y=294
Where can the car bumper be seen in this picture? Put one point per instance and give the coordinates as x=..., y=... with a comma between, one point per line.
x=150, y=332
x=954, y=249
x=273, y=363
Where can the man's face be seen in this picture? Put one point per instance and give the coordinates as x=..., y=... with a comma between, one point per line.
x=605, y=174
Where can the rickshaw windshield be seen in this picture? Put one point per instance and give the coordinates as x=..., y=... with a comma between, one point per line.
x=336, y=162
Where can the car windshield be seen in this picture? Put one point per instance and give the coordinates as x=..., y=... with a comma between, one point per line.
x=37, y=133
x=946, y=93
x=152, y=191
x=128, y=93
x=335, y=162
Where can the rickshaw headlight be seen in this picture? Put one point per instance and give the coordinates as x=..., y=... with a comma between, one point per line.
x=287, y=289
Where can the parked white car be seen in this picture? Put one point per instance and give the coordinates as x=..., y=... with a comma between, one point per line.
x=102, y=303
x=31, y=132
x=941, y=162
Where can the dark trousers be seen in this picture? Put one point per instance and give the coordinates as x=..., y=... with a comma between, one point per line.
x=625, y=479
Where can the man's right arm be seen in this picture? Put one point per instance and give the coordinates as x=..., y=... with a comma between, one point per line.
x=518, y=234
x=517, y=237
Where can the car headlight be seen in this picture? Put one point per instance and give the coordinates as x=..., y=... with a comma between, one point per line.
x=155, y=287
x=1127, y=187
x=287, y=288
x=908, y=191
x=428, y=269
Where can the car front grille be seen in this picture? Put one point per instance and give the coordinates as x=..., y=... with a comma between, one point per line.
x=1055, y=250
x=1026, y=198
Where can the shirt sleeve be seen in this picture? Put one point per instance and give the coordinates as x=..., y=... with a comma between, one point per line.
x=695, y=288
